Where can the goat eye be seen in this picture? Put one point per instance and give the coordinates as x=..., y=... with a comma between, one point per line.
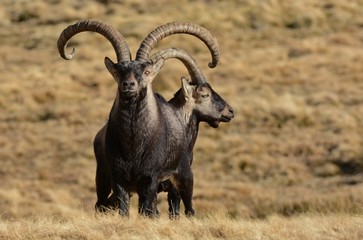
x=147, y=73
x=205, y=95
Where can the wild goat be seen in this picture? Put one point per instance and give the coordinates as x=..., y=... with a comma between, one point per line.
x=144, y=139
x=197, y=102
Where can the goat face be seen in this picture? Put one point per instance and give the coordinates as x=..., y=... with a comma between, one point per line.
x=133, y=77
x=209, y=106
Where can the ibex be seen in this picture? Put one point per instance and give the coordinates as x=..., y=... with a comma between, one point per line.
x=144, y=139
x=198, y=103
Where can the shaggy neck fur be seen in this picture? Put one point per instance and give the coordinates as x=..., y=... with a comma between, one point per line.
x=134, y=113
x=185, y=107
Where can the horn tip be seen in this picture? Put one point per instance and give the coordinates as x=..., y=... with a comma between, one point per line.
x=70, y=55
x=212, y=64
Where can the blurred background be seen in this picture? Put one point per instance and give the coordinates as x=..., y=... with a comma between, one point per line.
x=292, y=71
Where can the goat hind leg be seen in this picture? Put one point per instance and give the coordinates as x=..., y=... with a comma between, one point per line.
x=173, y=198
x=174, y=203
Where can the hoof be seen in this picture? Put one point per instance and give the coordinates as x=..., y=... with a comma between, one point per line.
x=190, y=213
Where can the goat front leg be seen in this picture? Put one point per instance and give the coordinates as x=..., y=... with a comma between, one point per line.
x=148, y=197
x=103, y=188
x=123, y=199
x=186, y=182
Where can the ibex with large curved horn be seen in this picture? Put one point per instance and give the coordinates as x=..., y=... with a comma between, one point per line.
x=144, y=139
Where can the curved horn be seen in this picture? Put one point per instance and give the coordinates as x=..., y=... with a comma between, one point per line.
x=113, y=35
x=193, y=69
x=178, y=28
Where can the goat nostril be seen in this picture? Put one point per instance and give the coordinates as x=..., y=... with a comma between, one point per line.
x=128, y=84
x=231, y=112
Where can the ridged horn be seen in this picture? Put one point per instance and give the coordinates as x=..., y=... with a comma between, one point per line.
x=178, y=28
x=113, y=35
x=192, y=67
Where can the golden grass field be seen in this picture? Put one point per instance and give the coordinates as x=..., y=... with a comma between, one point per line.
x=288, y=166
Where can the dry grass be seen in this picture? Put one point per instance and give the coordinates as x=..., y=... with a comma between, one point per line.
x=213, y=226
x=289, y=166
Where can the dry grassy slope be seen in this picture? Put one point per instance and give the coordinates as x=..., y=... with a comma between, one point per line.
x=292, y=70
x=213, y=226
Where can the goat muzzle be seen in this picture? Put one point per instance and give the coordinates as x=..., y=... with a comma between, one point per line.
x=227, y=114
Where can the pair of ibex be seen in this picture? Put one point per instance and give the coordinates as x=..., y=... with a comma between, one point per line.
x=147, y=144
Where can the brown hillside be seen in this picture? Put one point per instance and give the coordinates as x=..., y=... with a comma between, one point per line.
x=292, y=71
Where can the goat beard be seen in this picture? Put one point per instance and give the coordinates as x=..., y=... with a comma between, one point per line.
x=129, y=94
x=214, y=124
x=132, y=97
x=129, y=99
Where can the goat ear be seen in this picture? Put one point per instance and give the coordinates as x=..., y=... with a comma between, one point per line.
x=111, y=68
x=110, y=65
x=186, y=88
x=158, y=65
